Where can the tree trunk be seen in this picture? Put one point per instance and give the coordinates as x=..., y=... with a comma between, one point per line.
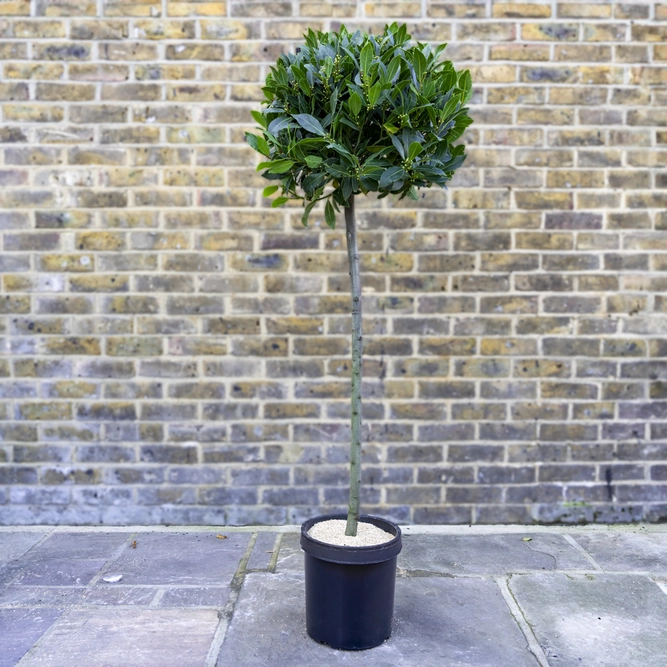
x=357, y=349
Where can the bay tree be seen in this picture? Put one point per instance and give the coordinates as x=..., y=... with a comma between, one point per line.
x=349, y=114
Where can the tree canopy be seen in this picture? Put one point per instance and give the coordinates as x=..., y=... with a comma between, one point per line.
x=361, y=114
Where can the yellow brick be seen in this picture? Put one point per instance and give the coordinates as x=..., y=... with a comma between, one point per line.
x=163, y=29
x=168, y=72
x=541, y=368
x=132, y=304
x=257, y=51
x=14, y=304
x=558, y=32
x=200, y=51
x=17, y=8
x=484, y=157
x=393, y=9
x=519, y=52
x=136, y=8
x=605, y=32
x=488, y=199
x=487, y=32
x=298, y=326
x=204, y=178
x=513, y=10
x=601, y=75
x=33, y=113
x=160, y=240
x=195, y=135
x=61, y=92
x=133, y=51
x=38, y=29
x=632, y=53
x=575, y=179
x=72, y=345
x=660, y=52
x=598, y=200
x=390, y=263
x=440, y=9
x=25, y=283
x=512, y=220
x=291, y=29
x=197, y=92
x=322, y=8
x=247, y=93
x=648, y=76
x=99, y=283
x=70, y=389
x=583, y=52
x=100, y=241
x=514, y=137
x=542, y=116
x=98, y=72
x=196, y=8
x=259, y=262
x=39, y=71
x=139, y=346
x=75, y=263
x=228, y=29
x=508, y=346
x=128, y=178
x=125, y=219
x=585, y=95
x=544, y=200
x=45, y=411
x=575, y=137
x=321, y=262
x=231, y=72
x=544, y=241
x=99, y=30
x=516, y=95
x=493, y=73
x=583, y=10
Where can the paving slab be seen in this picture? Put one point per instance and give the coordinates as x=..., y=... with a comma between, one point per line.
x=464, y=554
x=595, y=620
x=39, y=596
x=262, y=552
x=171, y=559
x=453, y=604
x=623, y=552
x=80, y=546
x=119, y=595
x=196, y=597
x=116, y=637
x=20, y=629
x=290, y=554
x=437, y=621
x=62, y=560
x=14, y=545
x=488, y=554
x=59, y=572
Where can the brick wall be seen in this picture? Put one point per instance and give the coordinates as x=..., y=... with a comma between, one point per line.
x=174, y=350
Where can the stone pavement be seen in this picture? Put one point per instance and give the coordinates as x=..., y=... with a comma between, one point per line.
x=492, y=596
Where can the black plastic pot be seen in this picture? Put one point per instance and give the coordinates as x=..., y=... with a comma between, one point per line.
x=350, y=590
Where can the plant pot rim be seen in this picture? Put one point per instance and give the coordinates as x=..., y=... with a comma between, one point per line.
x=362, y=555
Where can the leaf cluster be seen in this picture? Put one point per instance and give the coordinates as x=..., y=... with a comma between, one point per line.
x=360, y=114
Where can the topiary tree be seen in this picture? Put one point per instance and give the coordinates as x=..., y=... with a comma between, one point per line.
x=349, y=114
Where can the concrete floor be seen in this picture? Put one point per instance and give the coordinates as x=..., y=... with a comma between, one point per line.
x=492, y=596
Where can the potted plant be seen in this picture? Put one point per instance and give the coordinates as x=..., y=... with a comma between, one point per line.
x=346, y=115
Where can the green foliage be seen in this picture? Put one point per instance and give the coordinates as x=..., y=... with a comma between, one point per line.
x=362, y=114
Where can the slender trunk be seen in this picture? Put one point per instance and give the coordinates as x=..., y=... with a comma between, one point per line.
x=357, y=348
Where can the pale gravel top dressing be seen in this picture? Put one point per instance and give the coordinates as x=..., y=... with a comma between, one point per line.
x=332, y=531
